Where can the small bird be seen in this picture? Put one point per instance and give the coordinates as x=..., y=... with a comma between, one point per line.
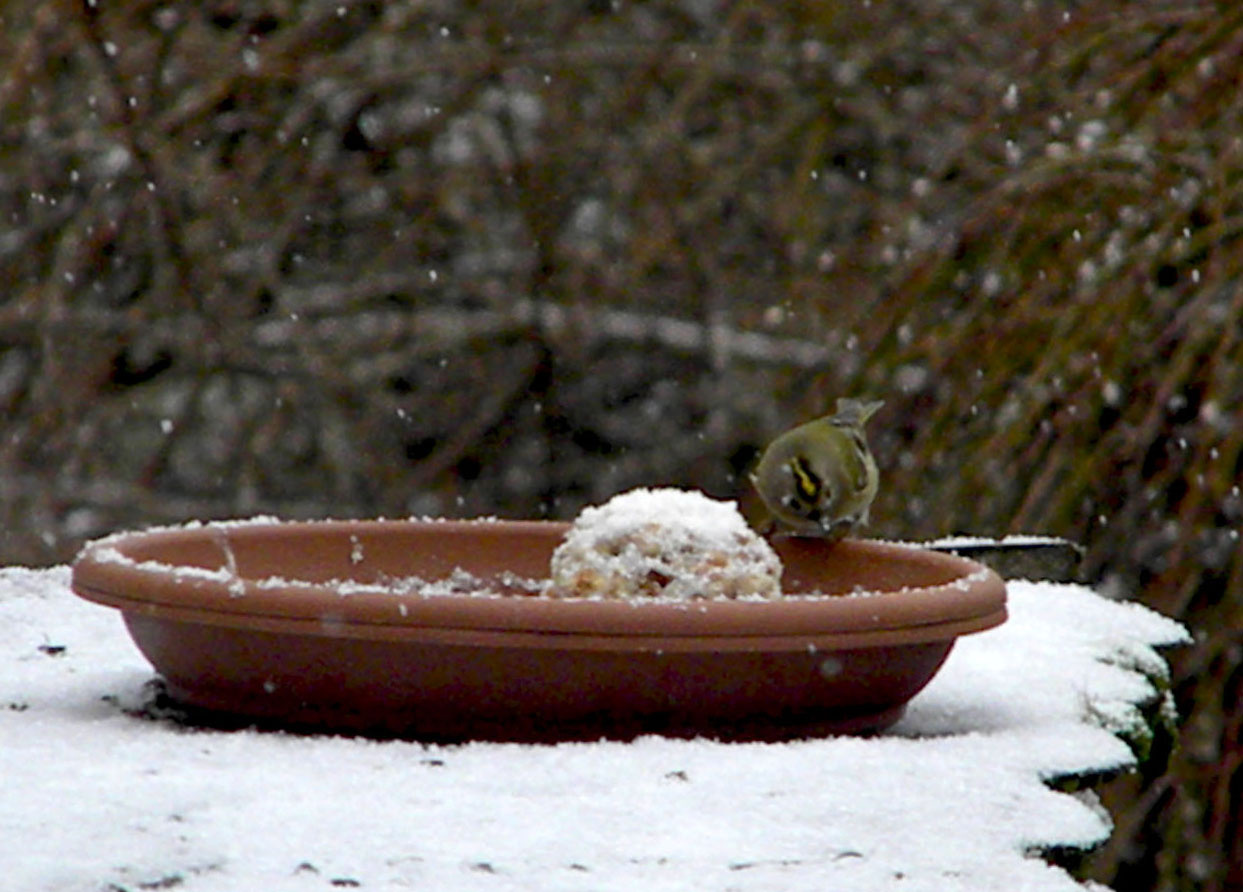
x=819, y=479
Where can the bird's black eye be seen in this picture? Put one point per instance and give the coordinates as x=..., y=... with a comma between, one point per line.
x=806, y=483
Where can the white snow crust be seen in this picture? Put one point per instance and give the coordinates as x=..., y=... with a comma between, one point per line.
x=952, y=798
x=671, y=544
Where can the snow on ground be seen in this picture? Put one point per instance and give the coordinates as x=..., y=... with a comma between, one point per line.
x=93, y=798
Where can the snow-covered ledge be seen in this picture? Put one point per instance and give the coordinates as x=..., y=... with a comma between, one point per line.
x=956, y=796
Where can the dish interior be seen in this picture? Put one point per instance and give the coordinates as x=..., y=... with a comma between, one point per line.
x=504, y=553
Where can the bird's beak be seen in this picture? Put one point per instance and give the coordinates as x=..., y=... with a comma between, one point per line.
x=842, y=524
x=830, y=525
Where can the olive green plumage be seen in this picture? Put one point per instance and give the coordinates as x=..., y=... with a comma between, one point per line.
x=819, y=479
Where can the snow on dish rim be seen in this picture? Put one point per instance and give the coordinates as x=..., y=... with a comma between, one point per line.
x=460, y=584
x=103, y=550
x=465, y=585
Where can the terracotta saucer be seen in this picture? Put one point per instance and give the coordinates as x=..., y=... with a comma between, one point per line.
x=322, y=626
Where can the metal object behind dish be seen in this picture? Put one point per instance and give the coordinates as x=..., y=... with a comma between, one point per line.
x=1040, y=558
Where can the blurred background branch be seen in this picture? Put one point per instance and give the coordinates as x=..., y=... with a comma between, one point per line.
x=357, y=259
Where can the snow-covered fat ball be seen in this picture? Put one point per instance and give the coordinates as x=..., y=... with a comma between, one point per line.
x=664, y=543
